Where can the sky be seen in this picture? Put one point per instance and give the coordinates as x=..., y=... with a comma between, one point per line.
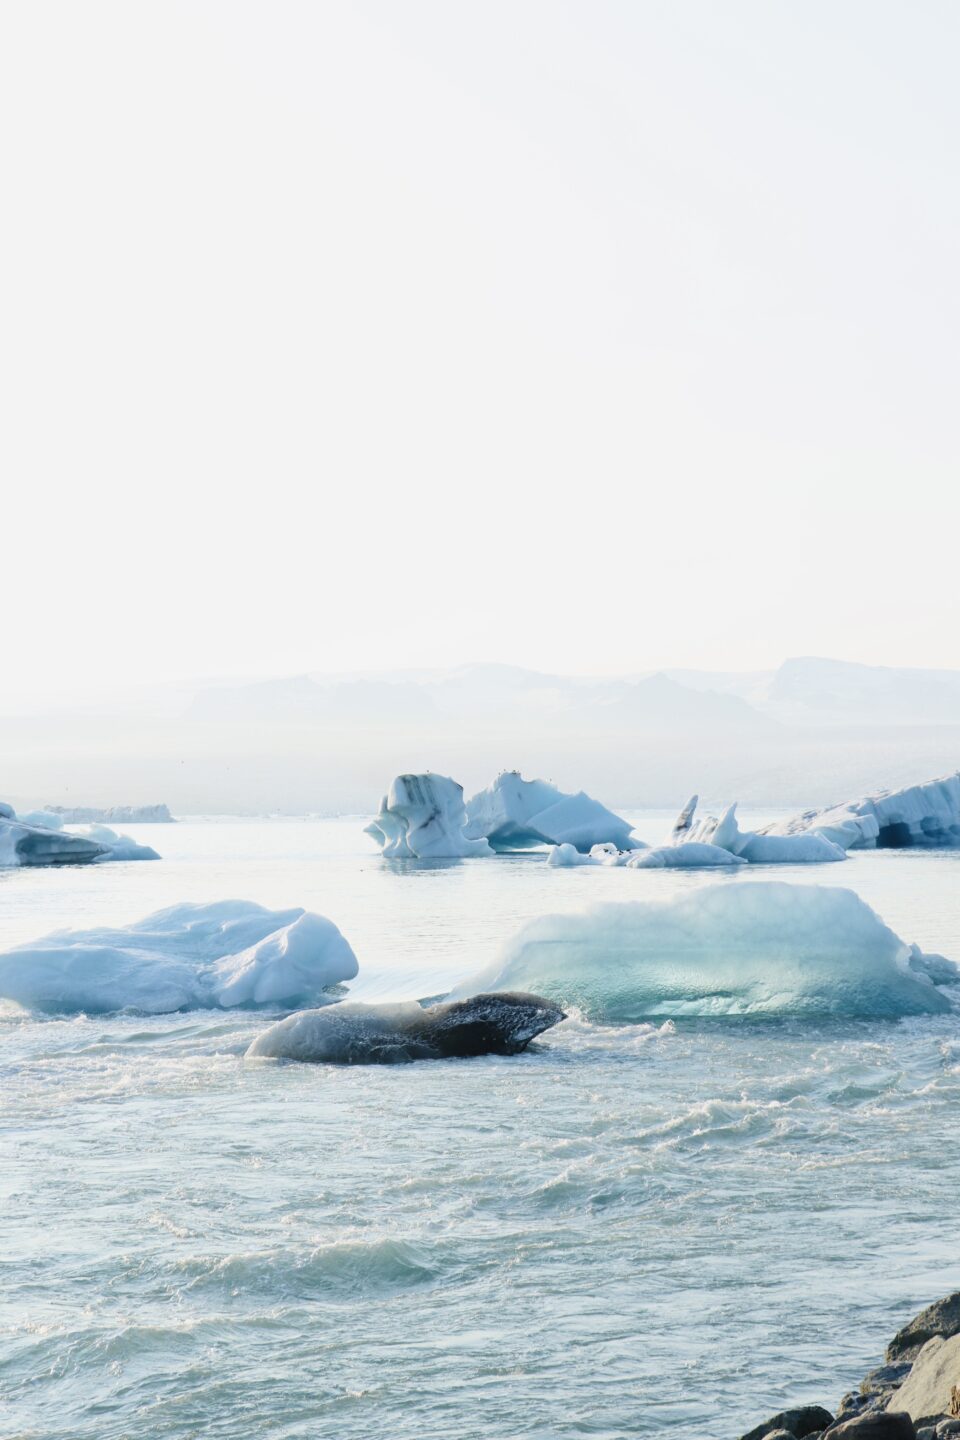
x=593, y=337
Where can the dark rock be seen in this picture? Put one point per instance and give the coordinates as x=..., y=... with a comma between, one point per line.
x=855, y=1402
x=948, y=1428
x=886, y=1377
x=874, y=1425
x=940, y=1318
x=803, y=1421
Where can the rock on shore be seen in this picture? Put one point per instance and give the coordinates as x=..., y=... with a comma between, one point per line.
x=915, y=1395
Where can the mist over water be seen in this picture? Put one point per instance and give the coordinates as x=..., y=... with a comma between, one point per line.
x=630, y=1229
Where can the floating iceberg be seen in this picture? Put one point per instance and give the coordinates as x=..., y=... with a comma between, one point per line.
x=23, y=844
x=233, y=953
x=515, y=814
x=754, y=948
x=755, y=847
x=694, y=855
x=919, y=815
x=422, y=817
x=355, y=1034
x=39, y=838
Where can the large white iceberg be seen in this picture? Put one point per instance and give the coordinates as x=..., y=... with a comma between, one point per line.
x=925, y=815
x=754, y=948
x=756, y=847
x=515, y=814
x=232, y=953
x=40, y=838
x=422, y=817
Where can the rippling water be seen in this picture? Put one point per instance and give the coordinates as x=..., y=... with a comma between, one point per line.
x=630, y=1230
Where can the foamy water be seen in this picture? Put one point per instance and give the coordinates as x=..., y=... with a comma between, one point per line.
x=630, y=1230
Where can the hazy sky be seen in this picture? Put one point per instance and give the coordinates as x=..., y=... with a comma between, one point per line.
x=590, y=336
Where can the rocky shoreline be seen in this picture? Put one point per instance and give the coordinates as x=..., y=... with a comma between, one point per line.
x=913, y=1395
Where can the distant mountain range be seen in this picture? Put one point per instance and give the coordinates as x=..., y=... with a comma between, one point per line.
x=811, y=732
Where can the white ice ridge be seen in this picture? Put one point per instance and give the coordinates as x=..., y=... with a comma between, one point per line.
x=422, y=817
x=705, y=843
x=753, y=948
x=515, y=814
x=918, y=815
x=232, y=953
x=692, y=856
x=756, y=847
x=40, y=838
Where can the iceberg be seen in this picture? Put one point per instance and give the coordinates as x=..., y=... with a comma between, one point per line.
x=757, y=948
x=422, y=817
x=23, y=844
x=231, y=953
x=754, y=847
x=39, y=838
x=116, y=847
x=516, y=814
x=112, y=814
x=926, y=815
x=693, y=855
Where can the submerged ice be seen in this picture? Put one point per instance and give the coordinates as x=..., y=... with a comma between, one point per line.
x=232, y=953
x=753, y=948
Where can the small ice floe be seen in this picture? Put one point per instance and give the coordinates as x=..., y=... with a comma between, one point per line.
x=232, y=953
x=355, y=1034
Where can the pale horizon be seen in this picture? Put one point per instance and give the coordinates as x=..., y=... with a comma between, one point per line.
x=359, y=337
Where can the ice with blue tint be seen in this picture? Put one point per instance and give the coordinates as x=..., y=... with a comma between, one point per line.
x=926, y=815
x=232, y=953
x=517, y=814
x=757, y=848
x=422, y=817
x=748, y=949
